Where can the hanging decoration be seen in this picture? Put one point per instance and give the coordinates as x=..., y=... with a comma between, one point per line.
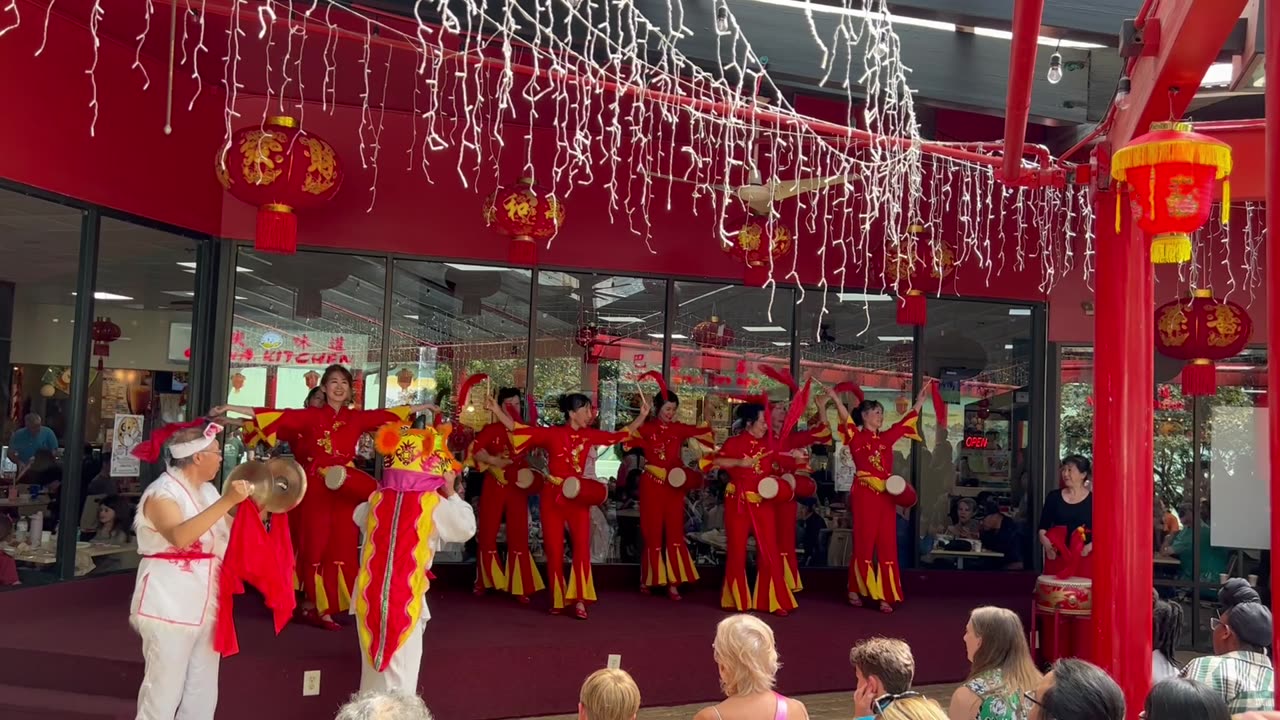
x=104, y=332
x=588, y=338
x=237, y=382
x=759, y=244
x=918, y=267
x=712, y=333
x=527, y=215
x=280, y=169
x=902, y=403
x=404, y=379
x=312, y=379
x=1170, y=173
x=984, y=406
x=1200, y=331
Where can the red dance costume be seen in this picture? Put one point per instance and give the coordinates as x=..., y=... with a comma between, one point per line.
x=874, y=570
x=501, y=496
x=746, y=512
x=326, y=539
x=661, y=504
x=817, y=434
x=567, y=453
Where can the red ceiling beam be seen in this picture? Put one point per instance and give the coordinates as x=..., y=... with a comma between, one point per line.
x=1247, y=139
x=1192, y=32
x=1022, y=75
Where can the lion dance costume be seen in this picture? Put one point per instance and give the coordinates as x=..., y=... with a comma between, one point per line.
x=406, y=520
x=661, y=501
x=324, y=444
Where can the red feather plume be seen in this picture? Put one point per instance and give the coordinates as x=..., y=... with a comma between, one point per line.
x=799, y=404
x=464, y=390
x=781, y=376
x=150, y=450
x=851, y=387
x=939, y=406
x=656, y=376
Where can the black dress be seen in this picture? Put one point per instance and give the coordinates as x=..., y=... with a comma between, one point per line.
x=1060, y=512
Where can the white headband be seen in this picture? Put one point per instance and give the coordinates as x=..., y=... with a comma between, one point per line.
x=186, y=449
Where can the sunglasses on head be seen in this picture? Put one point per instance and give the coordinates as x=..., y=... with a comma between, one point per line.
x=883, y=702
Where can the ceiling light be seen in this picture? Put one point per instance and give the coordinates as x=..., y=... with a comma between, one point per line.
x=764, y=328
x=192, y=266
x=896, y=338
x=781, y=343
x=659, y=336
x=100, y=295
x=1041, y=40
x=829, y=10
x=470, y=268
x=1218, y=75
x=179, y=293
x=862, y=297
x=1008, y=347
x=1122, y=93
x=1054, y=75
x=1020, y=311
x=619, y=319
x=411, y=317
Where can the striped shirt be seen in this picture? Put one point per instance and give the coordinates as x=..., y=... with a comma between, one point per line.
x=1245, y=679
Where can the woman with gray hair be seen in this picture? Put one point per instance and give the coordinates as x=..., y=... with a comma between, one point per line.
x=182, y=531
x=384, y=706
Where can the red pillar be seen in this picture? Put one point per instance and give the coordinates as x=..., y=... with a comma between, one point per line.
x=1124, y=377
x=1272, y=13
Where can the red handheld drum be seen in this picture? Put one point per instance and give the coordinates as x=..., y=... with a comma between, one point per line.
x=1068, y=596
x=584, y=492
x=525, y=478
x=805, y=487
x=774, y=490
x=685, y=479
x=900, y=491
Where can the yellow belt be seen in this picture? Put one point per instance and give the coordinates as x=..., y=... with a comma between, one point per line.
x=654, y=470
x=751, y=497
x=870, y=480
x=554, y=480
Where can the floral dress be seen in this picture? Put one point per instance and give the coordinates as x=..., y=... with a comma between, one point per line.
x=998, y=701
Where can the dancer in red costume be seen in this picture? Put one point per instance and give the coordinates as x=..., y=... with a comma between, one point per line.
x=874, y=571
x=748, y=458
x=792, y=461
x=661, y=501
x=508, y=482
x=323, y=441
x=568, y=447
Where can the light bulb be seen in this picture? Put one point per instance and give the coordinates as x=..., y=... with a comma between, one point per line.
x=1122, y=94
x=722, y=18
x=1055, y=69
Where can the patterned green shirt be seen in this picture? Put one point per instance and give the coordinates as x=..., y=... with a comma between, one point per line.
x=1245, y=679
x=998, y=702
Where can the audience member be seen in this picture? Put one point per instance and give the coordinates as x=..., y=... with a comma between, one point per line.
x=115, y=518
x=1239, y=670
x=964, y=523
x=1166, y=628
x=1236, y=591
x=747, y=658
x=29, y=439
x=884, y=669
x=910, y=706
x=378, y=705
x=1001, y=670
x=1077, y=690
x=609, y=695
x=1183, y=699
x=1001, y=533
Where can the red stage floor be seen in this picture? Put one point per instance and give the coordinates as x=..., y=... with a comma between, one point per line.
x=68, y=651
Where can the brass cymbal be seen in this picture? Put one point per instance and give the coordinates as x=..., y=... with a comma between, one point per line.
x=278, y=485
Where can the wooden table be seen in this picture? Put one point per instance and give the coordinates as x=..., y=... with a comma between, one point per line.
x=47, y=556
x=1164, y=560
x=25, y=506
x=961, y=555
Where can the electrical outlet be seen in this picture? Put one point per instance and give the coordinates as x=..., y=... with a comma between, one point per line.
x=615, y=662
x=310, y=683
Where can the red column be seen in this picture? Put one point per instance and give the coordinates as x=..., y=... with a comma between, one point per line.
x=1124, y=346
x=1272, y=13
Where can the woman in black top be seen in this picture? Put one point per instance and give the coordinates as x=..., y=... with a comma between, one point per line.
x=1070, y=507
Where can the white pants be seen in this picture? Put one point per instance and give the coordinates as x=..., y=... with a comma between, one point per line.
x=181, y=677
x=401, y=675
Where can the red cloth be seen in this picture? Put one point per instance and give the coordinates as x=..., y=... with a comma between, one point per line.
x=1070, y=562
x=262, y=559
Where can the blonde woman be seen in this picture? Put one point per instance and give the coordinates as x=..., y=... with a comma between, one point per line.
x=748, y=660
x=609, y=695
x=910, y=706
x=1001, y=671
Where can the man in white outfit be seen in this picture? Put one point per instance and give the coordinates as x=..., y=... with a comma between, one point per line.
x=414, y=512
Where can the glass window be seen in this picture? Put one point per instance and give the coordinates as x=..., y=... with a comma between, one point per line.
x=39, y=261
x=858, y=340
x=975, y=504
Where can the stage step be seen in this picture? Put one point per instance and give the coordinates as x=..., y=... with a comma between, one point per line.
x=27, y=703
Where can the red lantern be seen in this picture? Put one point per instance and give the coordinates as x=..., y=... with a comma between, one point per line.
x=756, y=240
x=1201, y=330
x=104, y=332
x=404, y=378
x=984, y=408
x=278, y=168
x=901, y=403
x=312, y=379
x=526, y=215
x=1170, y=173
x=712, y=334
x=919, y=267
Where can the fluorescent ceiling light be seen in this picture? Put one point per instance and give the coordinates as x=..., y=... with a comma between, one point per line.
x=100, y=295
x=1008, y=347
x=1218, y=75
x=1237, y=367
x=764, y=328
x=673, y=337
x=780, y=343
x=470, y=268
x=412, y=317
x=862, y=297
x=1020, y=311
x=827, y=9
x=192, y=266
x=1254, y=391
x=179, y=293
x=1042, y=40
x=896, y=338
x=619, y=319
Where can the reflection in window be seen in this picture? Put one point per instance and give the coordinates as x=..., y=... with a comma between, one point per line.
x=975, y=506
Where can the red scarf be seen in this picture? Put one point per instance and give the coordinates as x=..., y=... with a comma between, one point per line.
x=262, y=559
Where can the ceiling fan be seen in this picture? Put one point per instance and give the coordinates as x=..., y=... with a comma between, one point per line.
x=760, y=196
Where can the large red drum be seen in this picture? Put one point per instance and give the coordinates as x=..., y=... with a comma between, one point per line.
x=774, y=489
x=1062, y=624
x=1067, y=596
x=584, y=492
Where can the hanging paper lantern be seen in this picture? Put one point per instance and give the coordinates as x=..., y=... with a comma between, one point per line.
x=757, y=238
x=104, y=332
x=237, y=382
x=1201, y=330
x=404, y=378
x=712, y=334
x=279, y=169
x=525, y=214
x=312, y=379
x=920, y=266
x=902, y=404
x=1170, y=173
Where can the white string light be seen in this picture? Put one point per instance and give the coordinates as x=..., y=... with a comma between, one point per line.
x=142, y=39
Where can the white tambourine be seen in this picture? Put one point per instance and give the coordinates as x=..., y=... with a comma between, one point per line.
x=895, y=485
x=335, y=476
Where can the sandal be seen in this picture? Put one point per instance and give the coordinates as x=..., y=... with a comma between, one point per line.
x=886, y=608
x=580, y=611
x=312, y=617
x=781, y=613
x=673, y=592
x=855, y=600
x=523, y=599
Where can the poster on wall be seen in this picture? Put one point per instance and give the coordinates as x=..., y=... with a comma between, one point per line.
x=125, y=436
